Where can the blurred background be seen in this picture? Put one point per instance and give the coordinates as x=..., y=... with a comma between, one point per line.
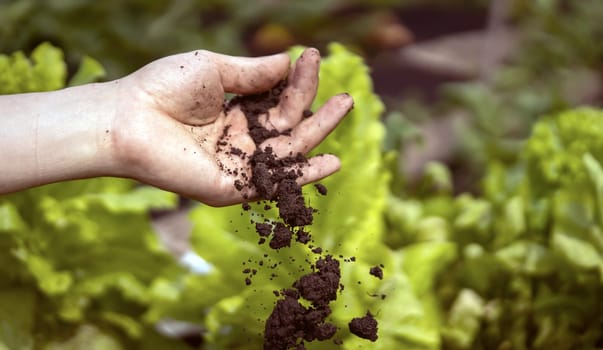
x=432, y=61
x=491, y=233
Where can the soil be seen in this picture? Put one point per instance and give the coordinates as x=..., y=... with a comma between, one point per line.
x=364, y=327
x=291, y=322
x=274, y=179
x=377, y=272
x=321, y=189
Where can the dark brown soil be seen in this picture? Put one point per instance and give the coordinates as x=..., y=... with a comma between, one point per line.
x=281, y=237
x=291, y=323
x=377, y=272
x=321, y=189
x=320, y=287
x=254, y=106
x=273, y=178
x=364, y=327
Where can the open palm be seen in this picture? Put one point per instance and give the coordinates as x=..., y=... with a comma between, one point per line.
x=173, y=131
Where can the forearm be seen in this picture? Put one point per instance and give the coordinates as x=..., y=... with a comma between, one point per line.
x=55, y=136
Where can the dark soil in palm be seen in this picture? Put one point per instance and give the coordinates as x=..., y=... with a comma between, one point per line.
x=291, y=323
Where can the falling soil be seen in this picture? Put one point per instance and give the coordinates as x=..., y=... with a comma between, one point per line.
x=377, y=272
x=322, y=189
x=291, y=323
x=364, y=327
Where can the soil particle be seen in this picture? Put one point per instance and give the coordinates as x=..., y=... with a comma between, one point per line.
x=236, y=151
x=261, y=179
x=282, y=236
x=263, y=229
x=291, y=323
x=320, y=287
x=364, y=327
x=292, y=208
x=303, y=236
x=377, y=272
x=322, y=189
x=253, y=106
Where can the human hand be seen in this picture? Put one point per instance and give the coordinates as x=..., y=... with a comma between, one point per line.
x=171, y=115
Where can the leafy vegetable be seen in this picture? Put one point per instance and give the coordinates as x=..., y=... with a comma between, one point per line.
x=349, y=223
x=529, y=268
x=518, y=264
x=78, y=259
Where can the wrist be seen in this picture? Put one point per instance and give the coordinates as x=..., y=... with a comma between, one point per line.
x=55, y=136
x=81, y=125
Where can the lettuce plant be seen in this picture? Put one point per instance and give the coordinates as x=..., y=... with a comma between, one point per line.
x=79, y=261
x=528, y=273
x=349, y=223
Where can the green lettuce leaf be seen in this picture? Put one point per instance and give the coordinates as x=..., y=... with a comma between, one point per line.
x=89, y=71
x=349, y=223
x=78, y=259
x=45, y=71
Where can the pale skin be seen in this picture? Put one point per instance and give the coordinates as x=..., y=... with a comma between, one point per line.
x=160, y=126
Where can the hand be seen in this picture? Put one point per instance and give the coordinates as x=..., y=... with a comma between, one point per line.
x=171, y=116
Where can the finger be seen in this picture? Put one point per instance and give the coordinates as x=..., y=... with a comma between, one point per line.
x=311, y=131
x=315, y=169
x=250, y=75
x=300, y=92
x=318, y=167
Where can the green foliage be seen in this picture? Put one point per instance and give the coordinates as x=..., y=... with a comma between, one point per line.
x=349, y=223
x=81, y=257
x=125, y=35
x=518, y=264
x=555, y=150
x=45, y=71
x=79, y=261
x=560, y=34
x=555, y=66
x=529, y=269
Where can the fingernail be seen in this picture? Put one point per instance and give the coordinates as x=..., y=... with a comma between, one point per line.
x=347, y=96
x=310, y=51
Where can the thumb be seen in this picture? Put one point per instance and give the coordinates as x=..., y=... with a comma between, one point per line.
x=245, y=75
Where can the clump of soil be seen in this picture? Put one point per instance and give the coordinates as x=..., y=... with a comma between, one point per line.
x=273, y=178
x=364, y=327
x=322, y=189
x=377, y=272
x=291, y=323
